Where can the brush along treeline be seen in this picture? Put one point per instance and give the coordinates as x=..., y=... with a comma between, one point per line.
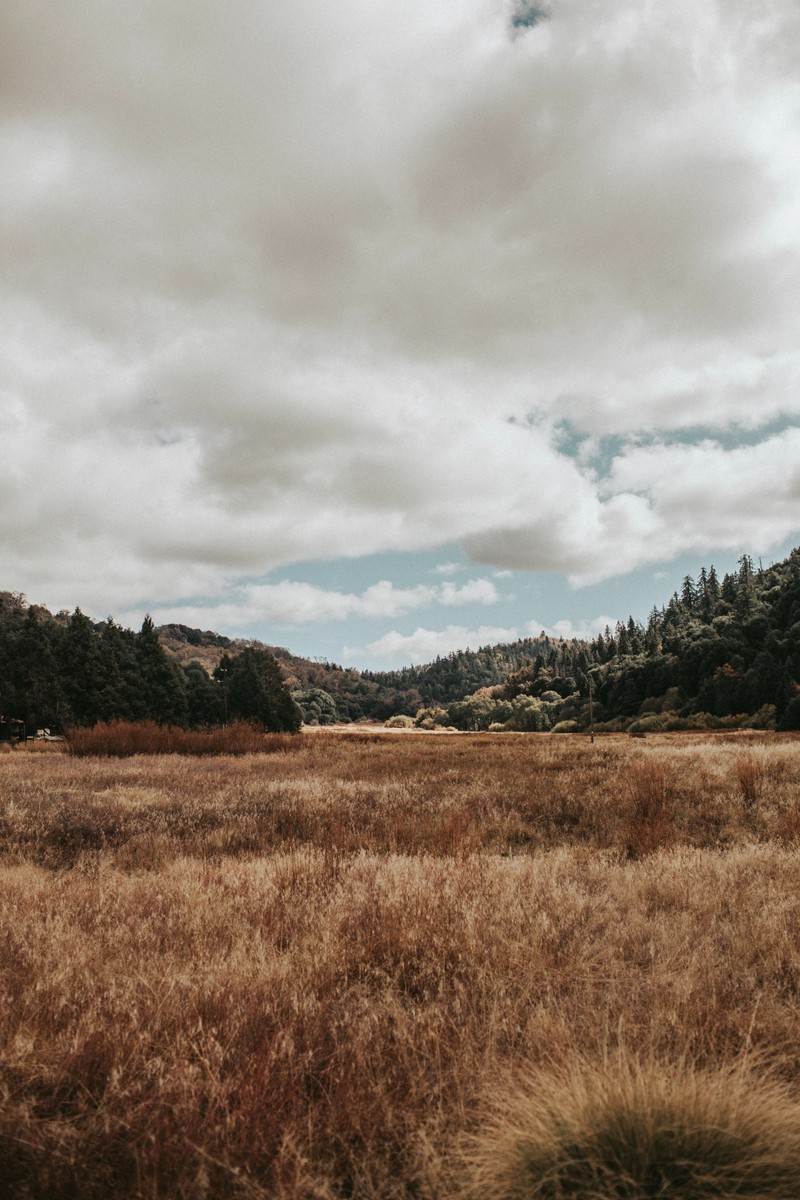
x=396, y=967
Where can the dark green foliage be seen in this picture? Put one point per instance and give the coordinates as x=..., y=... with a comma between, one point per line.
x=193, y=637
x=721, y=650
x=205, y=698
x=466, y=671
x=317, y=706
x=256, y=692
x=30, y=684
x=714, y=654
x=86, y=671
x=791, y=715
x=122, y=695
x=69, y=671
x=355, y=696
x=163, y=685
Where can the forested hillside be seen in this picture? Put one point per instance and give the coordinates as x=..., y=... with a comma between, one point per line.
x=65, y=670
x=724, y=648
x=719, y=653
x=329, y=692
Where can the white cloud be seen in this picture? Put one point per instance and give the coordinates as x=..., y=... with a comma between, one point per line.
x=276, y=278
x=660, y=501
x=424, y=645
x=476, y=591
x=293, y=603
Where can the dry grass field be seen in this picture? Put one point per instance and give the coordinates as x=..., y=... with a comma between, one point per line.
x=421, y=966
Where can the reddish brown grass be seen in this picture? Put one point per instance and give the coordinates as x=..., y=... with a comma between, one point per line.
x=120, y=739
x=749, y=776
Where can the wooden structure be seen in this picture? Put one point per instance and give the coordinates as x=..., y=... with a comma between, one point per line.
x=12, y=730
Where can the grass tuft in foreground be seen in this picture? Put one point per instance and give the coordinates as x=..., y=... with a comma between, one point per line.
x=632, y=1131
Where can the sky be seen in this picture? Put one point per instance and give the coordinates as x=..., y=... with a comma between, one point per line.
x=378, y=331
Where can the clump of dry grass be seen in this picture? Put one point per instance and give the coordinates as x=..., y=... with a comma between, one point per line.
x=120, y=739
x=749, y=777
x=650, y=823
x=636, y=1130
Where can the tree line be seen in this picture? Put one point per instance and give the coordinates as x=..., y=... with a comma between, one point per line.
x=66, y=670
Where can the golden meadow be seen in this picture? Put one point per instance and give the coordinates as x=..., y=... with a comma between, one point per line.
x=403, y=965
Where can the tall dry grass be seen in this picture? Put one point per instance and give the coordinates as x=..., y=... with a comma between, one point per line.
x=415, y=794
x=308, y=975
x=121, y=739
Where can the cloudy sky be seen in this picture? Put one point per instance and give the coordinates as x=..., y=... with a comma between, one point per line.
x=376, y=330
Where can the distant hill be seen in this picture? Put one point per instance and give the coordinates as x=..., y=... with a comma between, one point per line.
x=359, y=695
x=187, y=645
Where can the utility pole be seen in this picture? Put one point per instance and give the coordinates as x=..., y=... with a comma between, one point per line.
x=591, y=709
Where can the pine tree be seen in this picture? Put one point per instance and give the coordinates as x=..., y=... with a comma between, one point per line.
x=163, y=684
x=728, y=589
x=123, y=693
x=745, y=592
x=634, y=637
x=83, y=670
x=205, y=697
x=688, y=594
x=34, y=674
x=652, y=637
x=256, y=692
x=713, y=588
